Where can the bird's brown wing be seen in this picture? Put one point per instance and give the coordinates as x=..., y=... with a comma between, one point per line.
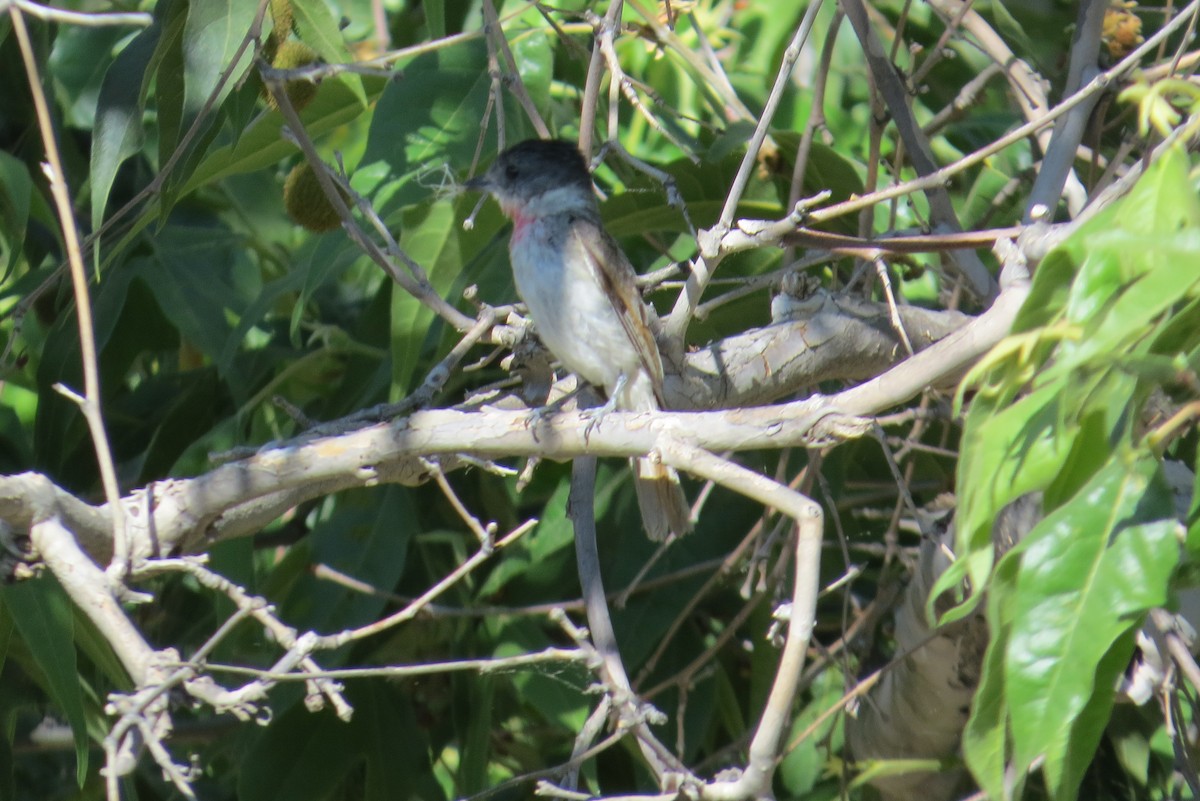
x=616, y=275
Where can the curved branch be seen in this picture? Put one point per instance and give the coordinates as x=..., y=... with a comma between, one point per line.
x=190, y=514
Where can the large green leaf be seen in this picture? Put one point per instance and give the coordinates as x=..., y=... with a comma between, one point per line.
x=642, y=208
x=394, y=745
x=119, y=127
x=59, y=428
x=169, y=72
x=263, y=146
x=301, y=756
x=202, y=279
x=985, y=738
x=1063, y=606
x=1004, y=455
x=803, y=766
x=1110, y=251
x=426, y=121
x=79, y=60
x=42, y=613
x=304, y=756
x=1089, y=572
x=552, y=693
x=366, y=535
x=1098, y=303
x=545, y=545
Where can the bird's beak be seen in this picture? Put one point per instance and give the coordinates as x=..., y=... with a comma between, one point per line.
x=478, y=183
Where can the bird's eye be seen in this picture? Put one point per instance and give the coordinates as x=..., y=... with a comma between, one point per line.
x=511, y=172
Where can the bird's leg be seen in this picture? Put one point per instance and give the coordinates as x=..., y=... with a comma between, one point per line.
x=596, y=415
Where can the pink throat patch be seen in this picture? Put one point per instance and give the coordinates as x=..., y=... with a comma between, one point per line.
x=520, y=223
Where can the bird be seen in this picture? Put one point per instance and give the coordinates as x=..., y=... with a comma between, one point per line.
x=582, y=295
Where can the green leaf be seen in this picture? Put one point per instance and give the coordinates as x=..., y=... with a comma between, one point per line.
x=476, y=748
x=551, y=539
x=42, y=613
x=317, y=267
x=1143, y=277
x=78, y=62
x=533, y=52
x=262, y=145
x=59, y=427
x=426, y=121
x=985, y=737
x=1161, y=204
x=1088, y=573
x=16, y=189
x=1005, y=454
x=731, y=717
x=7, y=627
x=1163, y=201
x=7, y=785
x=1110, y=289
x=554, y=694
x=367, y=535
x=118, y=132
x=393, y=743
x=1012, y=30
x=803, y=766
x=430, y=237
x=201, y=279
x=301, y=756
x=169, y=71
x=435, y=18
x=317, y=27
x=214, y=31
x=642, y=207
x=195, y=403
x=826, y=169
x=882, y=768
x=1050, y=287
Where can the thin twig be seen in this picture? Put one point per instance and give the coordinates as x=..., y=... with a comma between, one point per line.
x=91, y=403
x=409, y=612
x=516, y=85
x=94, y=19
x=495, y=665
x=675, y=327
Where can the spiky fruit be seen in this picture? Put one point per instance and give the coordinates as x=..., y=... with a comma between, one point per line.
x=306, y=202
x=291, y=55
x=284, y=21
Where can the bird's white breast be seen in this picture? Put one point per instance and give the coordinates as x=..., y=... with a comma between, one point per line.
x=573, y=316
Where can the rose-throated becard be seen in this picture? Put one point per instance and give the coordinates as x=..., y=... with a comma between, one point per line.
x=582, y=295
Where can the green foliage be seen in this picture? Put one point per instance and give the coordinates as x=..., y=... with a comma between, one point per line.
x=1112, y=316
x=41, y=612
x=1063, y=607
x=1112, y=311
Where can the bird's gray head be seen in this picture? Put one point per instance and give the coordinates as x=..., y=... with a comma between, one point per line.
x=538, y=176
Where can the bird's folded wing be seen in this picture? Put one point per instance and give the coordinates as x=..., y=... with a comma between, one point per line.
x=616, y=276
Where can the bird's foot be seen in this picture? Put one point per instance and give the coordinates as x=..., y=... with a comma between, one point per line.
x=596, y=414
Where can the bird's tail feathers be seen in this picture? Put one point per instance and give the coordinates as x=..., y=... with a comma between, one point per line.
x=664, y=507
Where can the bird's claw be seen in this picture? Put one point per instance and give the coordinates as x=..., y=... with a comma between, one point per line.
x=595, y=415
